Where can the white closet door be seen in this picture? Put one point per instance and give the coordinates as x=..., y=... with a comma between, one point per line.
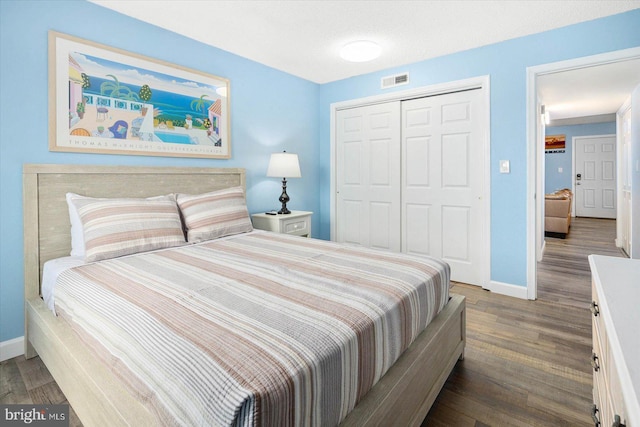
x=596, y=169
x=368, y=176
x=442, y=157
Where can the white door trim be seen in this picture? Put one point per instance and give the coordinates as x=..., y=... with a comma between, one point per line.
x=620, y=159
x=573, y=167
x=481, y=82
x=532, y=144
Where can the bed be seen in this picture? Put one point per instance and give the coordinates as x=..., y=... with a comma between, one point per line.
x=402, y=396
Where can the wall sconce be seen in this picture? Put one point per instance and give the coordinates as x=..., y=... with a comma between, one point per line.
x=545, y=115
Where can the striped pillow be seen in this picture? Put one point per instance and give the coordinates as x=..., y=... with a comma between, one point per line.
x=117, y=227
x=216, y=214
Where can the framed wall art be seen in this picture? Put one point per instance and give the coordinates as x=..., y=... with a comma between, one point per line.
x=554, y=143
x=106, y=100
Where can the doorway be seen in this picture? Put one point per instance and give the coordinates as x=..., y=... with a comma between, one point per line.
x=535, y=148
x=595, y=176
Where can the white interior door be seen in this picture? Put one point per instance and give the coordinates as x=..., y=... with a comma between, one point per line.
x=595, y=176
x=442, y=154
x=368, y=176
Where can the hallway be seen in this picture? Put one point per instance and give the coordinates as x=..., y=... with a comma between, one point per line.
x=564, y=276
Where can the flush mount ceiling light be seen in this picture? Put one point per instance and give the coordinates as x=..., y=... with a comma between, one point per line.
x=360, y=51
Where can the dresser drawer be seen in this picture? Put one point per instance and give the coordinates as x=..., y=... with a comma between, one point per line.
x=611, y=403
x=600, y=410
x=599, y=336
x=615, y=394
x=596, y=314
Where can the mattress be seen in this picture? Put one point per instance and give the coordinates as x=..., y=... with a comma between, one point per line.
x=260, y=329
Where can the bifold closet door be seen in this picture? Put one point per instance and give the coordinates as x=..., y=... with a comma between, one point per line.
x=368, y=176
x=442, y=158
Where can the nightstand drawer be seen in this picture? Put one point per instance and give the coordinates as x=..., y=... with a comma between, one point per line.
x=297, y=223
x=296, y=226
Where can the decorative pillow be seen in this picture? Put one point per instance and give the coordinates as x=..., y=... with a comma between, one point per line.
x=217, y=214
x=117, y=227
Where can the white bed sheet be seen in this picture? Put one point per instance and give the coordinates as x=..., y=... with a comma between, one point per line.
x=50, y=273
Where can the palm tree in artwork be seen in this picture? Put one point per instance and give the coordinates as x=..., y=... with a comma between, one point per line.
x=111, y=89
x=114, y=89
x=200, y=105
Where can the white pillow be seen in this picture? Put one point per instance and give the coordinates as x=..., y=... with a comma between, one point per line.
x=77, y=233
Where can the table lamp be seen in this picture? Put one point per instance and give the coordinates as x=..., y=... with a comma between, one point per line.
x=284, y=165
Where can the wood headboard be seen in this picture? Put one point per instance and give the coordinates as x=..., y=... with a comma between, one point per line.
x=47, y=230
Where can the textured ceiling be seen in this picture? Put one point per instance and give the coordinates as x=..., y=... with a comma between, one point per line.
x=303, y=37
x=590, y=91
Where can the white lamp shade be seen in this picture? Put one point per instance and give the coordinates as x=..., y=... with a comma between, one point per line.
x=284, y=165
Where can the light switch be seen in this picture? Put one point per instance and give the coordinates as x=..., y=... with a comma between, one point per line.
x=559, y=170
x=504, y=166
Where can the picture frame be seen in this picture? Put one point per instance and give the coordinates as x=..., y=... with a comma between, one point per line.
x=109, y=101
x=554, y=143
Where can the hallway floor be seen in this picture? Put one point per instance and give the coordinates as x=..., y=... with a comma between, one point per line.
x=564, y=276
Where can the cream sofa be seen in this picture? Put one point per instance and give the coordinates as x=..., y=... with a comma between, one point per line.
x=557, y=213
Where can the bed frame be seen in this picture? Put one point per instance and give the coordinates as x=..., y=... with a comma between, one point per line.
x=402, y=397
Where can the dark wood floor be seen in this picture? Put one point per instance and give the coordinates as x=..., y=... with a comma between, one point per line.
x=526, y=362
x=563, y=275
x=25, y=381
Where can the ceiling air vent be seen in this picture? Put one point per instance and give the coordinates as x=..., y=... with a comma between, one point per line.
x=393, y=81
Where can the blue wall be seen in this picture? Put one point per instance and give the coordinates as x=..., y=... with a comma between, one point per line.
x=506, y=64
x=555, y=180
x=270, y=111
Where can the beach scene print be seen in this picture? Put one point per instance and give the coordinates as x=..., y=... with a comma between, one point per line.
x=119, y=103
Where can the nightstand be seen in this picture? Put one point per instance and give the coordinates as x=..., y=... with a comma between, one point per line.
x=297, y=223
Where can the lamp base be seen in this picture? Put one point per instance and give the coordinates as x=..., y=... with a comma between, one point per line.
x=284, y=198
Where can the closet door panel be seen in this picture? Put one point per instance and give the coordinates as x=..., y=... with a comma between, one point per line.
x=351, y=215
x=456, y=223
x=368, y=176
x=409, y=178
x=455, y=161
x=417, y=217
x=417, y=155
x=442, y=170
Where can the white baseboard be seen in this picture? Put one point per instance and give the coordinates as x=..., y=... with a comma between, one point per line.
x=544, y=246
x=11, y=348
x=508, y=289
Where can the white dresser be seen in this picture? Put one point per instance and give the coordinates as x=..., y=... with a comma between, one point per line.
x=616, y=341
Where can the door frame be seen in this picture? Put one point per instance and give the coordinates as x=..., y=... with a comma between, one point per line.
x=573, y=168
x=622, y=159
x=480, y=82
x=533, y=144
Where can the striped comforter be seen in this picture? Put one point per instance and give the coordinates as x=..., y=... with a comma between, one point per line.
x=258, y=329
